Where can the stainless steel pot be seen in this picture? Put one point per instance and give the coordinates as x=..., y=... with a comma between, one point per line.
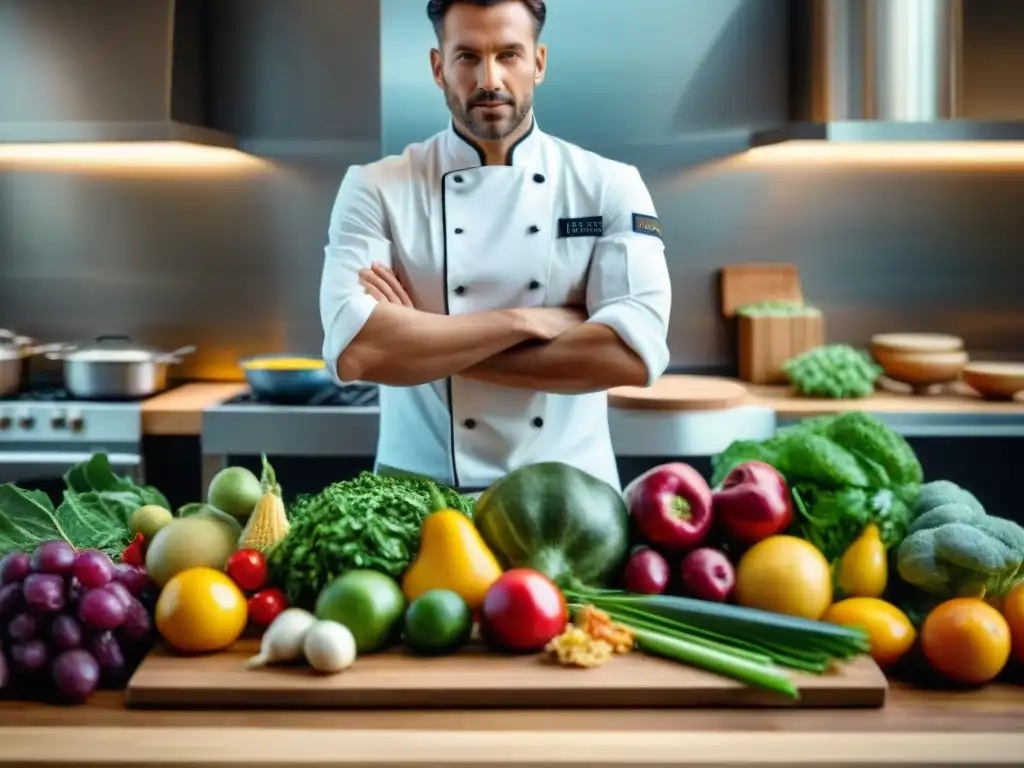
x=15, y=353
x=115, y=368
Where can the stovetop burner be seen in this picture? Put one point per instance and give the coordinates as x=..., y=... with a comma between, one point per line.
x=55, y=393
x=47, y=394
x=351, y=396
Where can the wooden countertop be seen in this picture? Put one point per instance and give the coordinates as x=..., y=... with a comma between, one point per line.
x=916, y=728
x=180, y=411
x=954, y=399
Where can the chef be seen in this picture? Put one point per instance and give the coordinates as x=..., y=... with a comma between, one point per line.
x=495, y=281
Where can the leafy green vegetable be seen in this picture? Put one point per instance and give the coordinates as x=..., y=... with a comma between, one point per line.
x=93, y=514
x=956, y=549
x=372, y=521
x=845, y=471
x=778, y=308
x=835, y=370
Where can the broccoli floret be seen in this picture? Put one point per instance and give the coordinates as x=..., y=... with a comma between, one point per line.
x=954, y=512
x=955, y=551
x=940, y=492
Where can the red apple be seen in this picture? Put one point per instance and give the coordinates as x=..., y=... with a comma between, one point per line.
x=647, y=572
x=753, y=502
x=671, y=505
x=708, y=575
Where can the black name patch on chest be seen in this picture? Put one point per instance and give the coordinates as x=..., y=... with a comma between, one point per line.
x=646, y=225
x=588, y=226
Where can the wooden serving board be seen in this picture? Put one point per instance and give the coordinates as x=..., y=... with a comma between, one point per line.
x=474, y=678
x=680, y=393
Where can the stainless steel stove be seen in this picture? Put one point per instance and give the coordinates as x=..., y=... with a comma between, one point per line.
x=338, y=422
x=44, y=431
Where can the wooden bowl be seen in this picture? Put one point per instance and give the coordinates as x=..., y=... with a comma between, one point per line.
x=916, y=342
x=995, y=381
x=921, y=370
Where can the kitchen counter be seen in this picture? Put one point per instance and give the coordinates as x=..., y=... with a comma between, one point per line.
x=957, y=412
x=916, y=728
x=180, y=411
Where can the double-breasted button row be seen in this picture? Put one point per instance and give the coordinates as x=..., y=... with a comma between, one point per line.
x=459, y=290
x=538, y=422
x=533, y=230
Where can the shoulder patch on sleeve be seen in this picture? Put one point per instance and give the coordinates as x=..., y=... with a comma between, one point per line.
x=646, y=225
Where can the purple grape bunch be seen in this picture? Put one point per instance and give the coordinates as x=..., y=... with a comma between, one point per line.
x=74, y=619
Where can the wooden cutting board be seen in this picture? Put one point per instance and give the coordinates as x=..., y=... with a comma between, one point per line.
x=474, y=678
x=680, y=393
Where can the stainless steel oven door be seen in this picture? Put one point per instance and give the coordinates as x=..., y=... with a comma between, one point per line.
x=20, y=466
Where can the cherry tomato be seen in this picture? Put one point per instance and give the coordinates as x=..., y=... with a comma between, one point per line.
x=265, y=606
x=248, y=569
x=522, y=611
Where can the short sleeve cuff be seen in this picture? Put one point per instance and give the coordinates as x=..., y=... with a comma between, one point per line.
x=346, y=324
x=641, y=330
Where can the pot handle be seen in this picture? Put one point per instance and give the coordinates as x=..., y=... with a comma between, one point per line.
x=57, y=351
x=175, y=356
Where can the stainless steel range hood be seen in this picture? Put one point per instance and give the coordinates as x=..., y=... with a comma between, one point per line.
x=104, y=71
x=881, y=71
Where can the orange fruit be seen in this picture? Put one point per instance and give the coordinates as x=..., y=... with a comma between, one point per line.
x=966, y=640
x=201, y=610
x=1013, y=612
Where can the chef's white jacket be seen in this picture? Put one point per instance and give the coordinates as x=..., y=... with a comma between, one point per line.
x=558, y=225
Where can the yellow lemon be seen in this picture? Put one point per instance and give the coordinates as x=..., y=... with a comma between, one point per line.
x=889, y=630
x=784, y=574
x=201, y=610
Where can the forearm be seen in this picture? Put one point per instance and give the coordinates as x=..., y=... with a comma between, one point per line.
x=400, y=346
x=588, y=358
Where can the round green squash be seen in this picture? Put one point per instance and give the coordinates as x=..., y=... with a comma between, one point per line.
x=556, y=519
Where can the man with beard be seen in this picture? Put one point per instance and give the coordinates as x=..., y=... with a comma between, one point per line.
x=493, y=280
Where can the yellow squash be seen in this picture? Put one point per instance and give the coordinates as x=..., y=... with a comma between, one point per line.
x=451, y=556
x=268, y=523
x=863, y=569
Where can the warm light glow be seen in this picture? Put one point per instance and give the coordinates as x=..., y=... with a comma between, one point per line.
x=973, y=153
x=127, y=155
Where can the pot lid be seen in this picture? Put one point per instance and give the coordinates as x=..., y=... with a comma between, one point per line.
x=112, y=349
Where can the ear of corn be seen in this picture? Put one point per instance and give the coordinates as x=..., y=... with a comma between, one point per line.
x=268, y=523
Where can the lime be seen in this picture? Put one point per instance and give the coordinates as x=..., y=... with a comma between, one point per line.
x=369, y=603
x=148, y=520
x=438, y=621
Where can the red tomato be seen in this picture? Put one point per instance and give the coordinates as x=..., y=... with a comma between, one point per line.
x=265, y=606
x=522, y=611
x=248, y=569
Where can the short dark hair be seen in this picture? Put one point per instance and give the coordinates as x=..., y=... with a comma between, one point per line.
x=437, y=9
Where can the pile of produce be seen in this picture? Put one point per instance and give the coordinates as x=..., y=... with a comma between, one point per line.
x=818, y=545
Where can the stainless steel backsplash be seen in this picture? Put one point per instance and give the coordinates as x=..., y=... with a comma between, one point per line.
x=231, y=260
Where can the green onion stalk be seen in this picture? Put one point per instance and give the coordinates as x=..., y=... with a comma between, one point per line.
x=752, y=646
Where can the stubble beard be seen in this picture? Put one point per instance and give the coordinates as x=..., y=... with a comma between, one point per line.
x=482, y=126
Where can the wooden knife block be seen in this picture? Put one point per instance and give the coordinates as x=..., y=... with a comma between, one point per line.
x=766, y=343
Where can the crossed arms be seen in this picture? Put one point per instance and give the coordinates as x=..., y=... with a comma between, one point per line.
x=374, y=333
